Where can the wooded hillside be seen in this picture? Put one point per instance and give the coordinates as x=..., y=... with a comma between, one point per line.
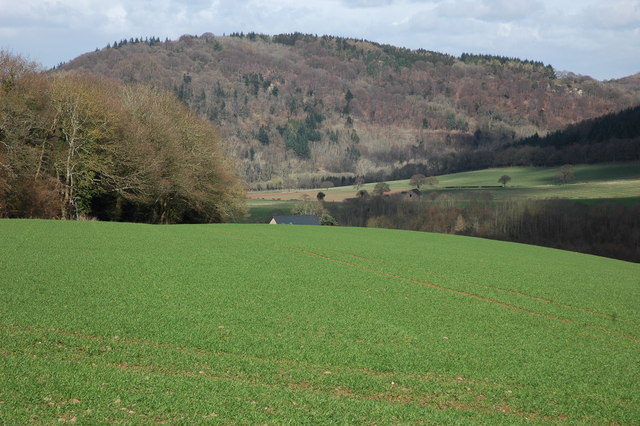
x=297, y=109
x=612, y=137
x=76, y=145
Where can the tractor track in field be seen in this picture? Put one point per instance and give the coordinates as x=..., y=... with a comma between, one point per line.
x=505, y=290
x=605, y=330
x=390, y=387
x=473, y=283
x=436, y=286
x=284, y=364
x=478, y=296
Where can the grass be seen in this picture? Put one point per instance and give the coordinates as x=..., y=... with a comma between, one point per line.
x=262, y=211
x=539, y=176
x=600, y=181
x=108, y=322
x=578, y=191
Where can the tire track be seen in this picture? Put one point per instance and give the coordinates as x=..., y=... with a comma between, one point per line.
x=470, y=294
x=473, y=283
x=386, y=389
x=436, y=286
x=505, y=290
x=284, y=364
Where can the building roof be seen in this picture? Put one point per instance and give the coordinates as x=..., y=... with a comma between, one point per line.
x=296, y=220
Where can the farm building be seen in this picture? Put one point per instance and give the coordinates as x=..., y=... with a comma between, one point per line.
x=295, y=220
x=411, y=195
x=405, y=195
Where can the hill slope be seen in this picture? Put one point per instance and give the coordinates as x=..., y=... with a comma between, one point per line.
x=291, y=104
x=611, y=137
x=309, y=325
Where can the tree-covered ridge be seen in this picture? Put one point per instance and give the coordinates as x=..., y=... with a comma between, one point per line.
x=150, y=41
x=386, y=111
x=75, y=145
x=514, y=63
x=621, y=125
x=612, y=137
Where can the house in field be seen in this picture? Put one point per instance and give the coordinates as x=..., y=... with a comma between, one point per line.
x=295, y=220
x=411, y=195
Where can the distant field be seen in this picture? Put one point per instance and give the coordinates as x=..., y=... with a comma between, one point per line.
x=539, y=176
x=617, y=180
x=127, y=323
x=262, y=211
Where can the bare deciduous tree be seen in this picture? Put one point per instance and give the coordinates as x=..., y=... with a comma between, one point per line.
x=381, y=188
x=432, y=180
x=417, y=180
x=566, y=174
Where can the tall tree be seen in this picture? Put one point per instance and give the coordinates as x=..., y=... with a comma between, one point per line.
x=185, y=175
x=565, y=175
x=84, y=120
x=381, y=188
x=417, y=180
x=431, y=180
x=25, y=139
x=504, y=180
x=263, y=136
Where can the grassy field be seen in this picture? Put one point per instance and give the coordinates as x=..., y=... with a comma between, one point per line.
x=262, y=211
x=616, y=180
x=127, y=323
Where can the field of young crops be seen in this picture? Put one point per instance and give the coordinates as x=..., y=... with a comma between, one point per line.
x=112, y=322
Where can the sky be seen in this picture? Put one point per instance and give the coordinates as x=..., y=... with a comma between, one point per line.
x=597, y=38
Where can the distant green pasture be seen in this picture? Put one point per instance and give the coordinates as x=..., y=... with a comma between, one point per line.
x=262, y=211
x=285, y=324
x=593, y=190
x=599, y=181
x=542, y=176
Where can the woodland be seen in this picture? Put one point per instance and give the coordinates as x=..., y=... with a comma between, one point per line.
x=606, y=228
x=76, y=145
x=297, y=109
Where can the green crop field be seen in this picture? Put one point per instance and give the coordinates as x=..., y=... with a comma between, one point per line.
x=130, y=323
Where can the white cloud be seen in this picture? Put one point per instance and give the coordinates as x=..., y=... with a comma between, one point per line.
x=615, y=15
x=509, y=10
x=490, y=10
x=116, y=18
x=366, y=3
x=596, y=37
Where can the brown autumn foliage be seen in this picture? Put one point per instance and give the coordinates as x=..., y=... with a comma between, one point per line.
x=293, y=103
x=74, y=145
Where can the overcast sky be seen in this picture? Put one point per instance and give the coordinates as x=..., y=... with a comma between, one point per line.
x=589, y=37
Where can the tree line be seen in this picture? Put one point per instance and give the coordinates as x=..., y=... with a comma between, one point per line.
x=149, y=41
x=610, y=229
x=74, y=145
x=516, y=63
x=613, y=136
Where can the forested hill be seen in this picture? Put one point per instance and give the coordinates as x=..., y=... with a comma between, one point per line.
x=296, y=108
x=612, y=137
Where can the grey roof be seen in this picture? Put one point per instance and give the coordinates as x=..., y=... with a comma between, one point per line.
x=296, y=220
